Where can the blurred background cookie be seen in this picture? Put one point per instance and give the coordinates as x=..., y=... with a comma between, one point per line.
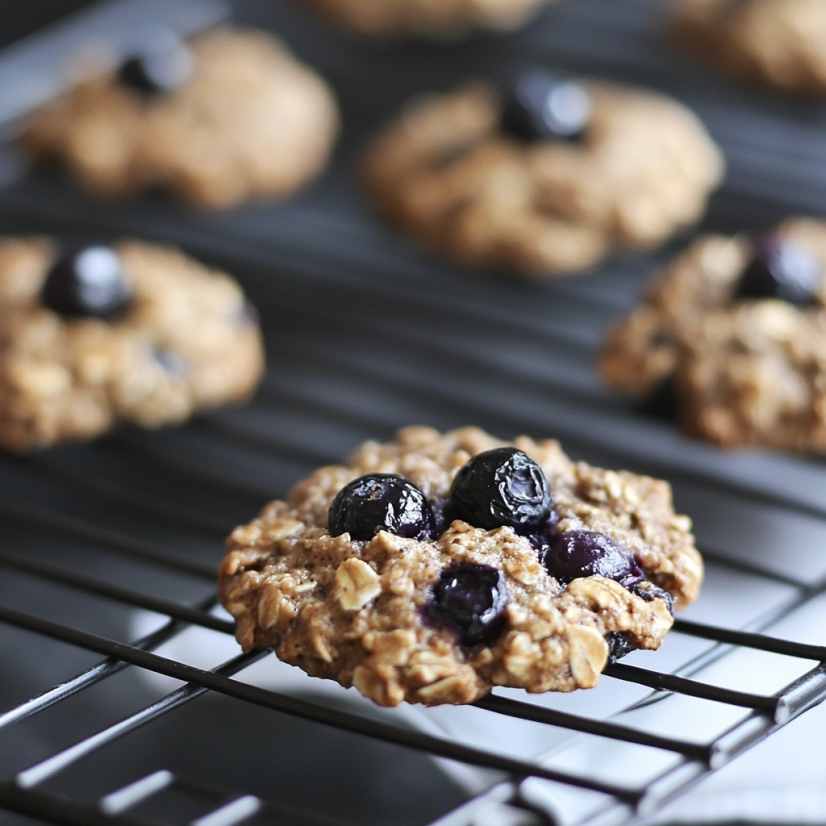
x=385, y=17
x=547, y=176
x=230, y=117
x=91, y=335
x=735, y=330
x=777, y=42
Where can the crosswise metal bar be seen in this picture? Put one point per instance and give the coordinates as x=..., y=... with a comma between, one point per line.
x=279, y=702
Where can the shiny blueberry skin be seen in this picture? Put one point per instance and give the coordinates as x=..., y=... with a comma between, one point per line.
x=542, y=106
x=501, y=487
x=783, y=270
x=163, y=67
x=470, y=599
x=381, y=502
x=88, y=282
x=576, y=554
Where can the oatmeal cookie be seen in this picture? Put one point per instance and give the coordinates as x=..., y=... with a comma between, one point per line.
x=545, y=177
x=385, y=17
x=436, y=566
x=230, y=117
x=776, y=42
x=735, y=329
x=91, y=335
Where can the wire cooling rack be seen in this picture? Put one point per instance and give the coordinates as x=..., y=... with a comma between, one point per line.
x=365, y=334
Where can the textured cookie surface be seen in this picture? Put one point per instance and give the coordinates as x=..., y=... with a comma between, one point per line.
x=249, y=121
x=777, y=42
x=357, y=611
x=186, y=340
x=745, y=369
x=381, y=17
x=448, y=173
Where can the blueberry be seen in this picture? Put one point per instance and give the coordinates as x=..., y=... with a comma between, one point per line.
x=470, y=599
x=442, y=515
x=577, y=554
x=88, y=282
x=619, y=645
x=161, y=68
x=648, y=590
x=662, y=402
x=542, y=106
x=501, y=487
x=381, y=502
x=782, y=270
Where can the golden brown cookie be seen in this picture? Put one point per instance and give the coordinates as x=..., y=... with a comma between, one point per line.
x=233, y=116
x=545, y=178
x=781, y=43
x=736, y=329
x=436, y=566
x=385, y=17
x=94, y=335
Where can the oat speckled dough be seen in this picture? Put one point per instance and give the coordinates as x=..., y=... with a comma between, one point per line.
x=736, y=327
x=384, y=17
x=231, y=117
x=781, y=43
x=542, y=176
x=94, y=335
x=444, y=615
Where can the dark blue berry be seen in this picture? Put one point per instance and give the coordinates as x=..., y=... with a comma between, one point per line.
x=648, y=590
x=576, y=554
x=619, y=645
x=381, y=502
x=88, y=282
x=470, y=599
x=783, y=270
x=541, y=106
x=501, y=487
x=159, y=69
x=662, y=402
x=442, y=516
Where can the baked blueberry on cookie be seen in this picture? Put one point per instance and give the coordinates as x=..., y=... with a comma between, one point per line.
x=436, y=566
x=735, y=328
x=424, y=17
x=92, y=334
x=545, y=175
x=781, y=43
x=230, y=117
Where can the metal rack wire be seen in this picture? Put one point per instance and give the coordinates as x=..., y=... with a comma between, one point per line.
x=329, y=286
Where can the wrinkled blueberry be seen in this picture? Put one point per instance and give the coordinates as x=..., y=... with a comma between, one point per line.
x=782, y=270
x=648, y=591
x=619, y=645
x=88, y=282
x=501, y=487
x=470, y=599
x=381, y=502
x=577, y=554
x=662, y=402
x=540, y=106
x=161, y=68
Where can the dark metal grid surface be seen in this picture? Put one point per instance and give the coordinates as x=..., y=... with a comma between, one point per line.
x=365, y=334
